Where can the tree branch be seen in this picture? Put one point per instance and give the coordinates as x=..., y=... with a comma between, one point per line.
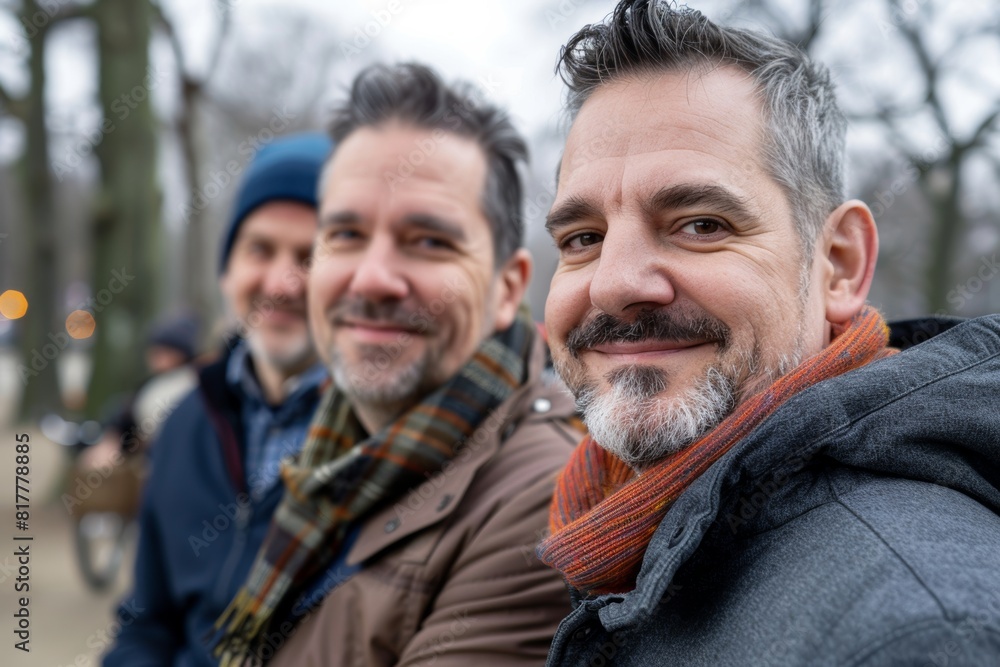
x=13, y=106
x=28, y=13
x=930, y=68
x=226, y=22
x=175, y=43
x=897, y=140
x=983, y=30
x=68, y=13
x=886, y=113
x=811, y=32
x=996, y=168
x=188, y=80
x=5, y=97
x=778, y=20
x=985, y=126
x=324, y=62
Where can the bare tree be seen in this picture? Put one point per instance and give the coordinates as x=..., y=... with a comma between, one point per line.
x=126, y=232
x=36, y=235
x=229, y=109
x=910, y=34
x=194, y=92
x=942, y=173
x=805, y=34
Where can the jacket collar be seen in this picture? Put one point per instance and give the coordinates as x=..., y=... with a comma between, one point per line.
x=224, y=395
x=862, y=419
x=904, y=334
x=437, y=498
x=241, y=376
x=223, y=405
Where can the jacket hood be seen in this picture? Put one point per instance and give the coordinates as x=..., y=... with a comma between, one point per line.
x=930, y=413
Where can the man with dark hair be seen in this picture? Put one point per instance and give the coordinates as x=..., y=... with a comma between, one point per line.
x=408, y=529
x=768, y=478
x=214, y=479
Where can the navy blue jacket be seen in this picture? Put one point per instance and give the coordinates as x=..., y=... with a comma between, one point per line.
x=200, y=531
x=858, y=525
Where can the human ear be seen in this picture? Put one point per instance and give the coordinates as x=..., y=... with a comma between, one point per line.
x=849, y=251
x=512, y=282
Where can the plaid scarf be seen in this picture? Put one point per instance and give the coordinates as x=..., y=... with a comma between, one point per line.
x=342, y=475
x=603, y=516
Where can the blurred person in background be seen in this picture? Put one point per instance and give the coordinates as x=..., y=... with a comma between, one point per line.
x=171, y=349
x=214, y=479
x=407, y=533
x=774, y=476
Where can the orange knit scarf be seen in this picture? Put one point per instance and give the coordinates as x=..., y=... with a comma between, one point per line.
x=603, y=516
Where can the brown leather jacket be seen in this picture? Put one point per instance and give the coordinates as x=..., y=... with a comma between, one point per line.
x=450, y=577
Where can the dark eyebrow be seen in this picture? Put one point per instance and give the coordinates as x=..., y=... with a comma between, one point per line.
x=339, y=218
x=568, y=212
x=425, y=221
x=250, y=238
x=718, y=199
x=432, y=223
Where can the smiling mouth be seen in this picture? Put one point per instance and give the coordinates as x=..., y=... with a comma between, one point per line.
x=376, y=332
x=375, y=325
x=283, y=315
x=645, y=348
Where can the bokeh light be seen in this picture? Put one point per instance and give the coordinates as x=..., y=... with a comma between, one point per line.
x=80, y=324
x=13, y=304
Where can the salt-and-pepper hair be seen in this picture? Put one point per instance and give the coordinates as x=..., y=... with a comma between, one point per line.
x=804, y=128
x=413, y=93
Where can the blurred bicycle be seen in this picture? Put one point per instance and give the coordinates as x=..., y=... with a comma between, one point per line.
x=110, y=459
x=102, y=498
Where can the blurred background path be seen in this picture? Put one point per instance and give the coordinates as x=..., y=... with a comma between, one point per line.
x=70, y=625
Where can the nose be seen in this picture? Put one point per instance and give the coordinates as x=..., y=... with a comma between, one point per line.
x=285, y=277
x=632, y=272
x=378, y=275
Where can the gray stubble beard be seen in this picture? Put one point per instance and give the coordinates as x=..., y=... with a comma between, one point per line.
x=392, y=386
x=631, y=421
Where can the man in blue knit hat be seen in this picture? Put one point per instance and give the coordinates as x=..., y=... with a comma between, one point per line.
x=215, y=482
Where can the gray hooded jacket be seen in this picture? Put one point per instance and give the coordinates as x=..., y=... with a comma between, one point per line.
x=857, y=525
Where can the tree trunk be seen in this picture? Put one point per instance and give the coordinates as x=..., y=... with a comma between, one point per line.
x=948, y=227
x=126, y=230
x=43, y=336
x=196, y=282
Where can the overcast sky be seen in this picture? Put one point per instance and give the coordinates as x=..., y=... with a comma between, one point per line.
x=508, y=46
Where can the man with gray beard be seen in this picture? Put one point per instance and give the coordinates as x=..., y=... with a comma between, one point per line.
x=626, y=419
x=773, y=475
x=215, y=465
x=408, y=529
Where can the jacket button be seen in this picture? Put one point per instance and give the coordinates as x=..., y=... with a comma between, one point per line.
x=582, y=633
x=391, y=525
x=445, y=501
x=542, y=405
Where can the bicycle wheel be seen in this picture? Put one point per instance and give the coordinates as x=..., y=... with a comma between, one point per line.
x=100, y=547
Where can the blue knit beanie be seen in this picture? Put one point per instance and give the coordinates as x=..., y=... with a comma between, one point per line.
x=287, y=169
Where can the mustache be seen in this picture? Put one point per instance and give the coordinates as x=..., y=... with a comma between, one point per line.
x=392, y=313
x=268, y=304
x=665, y=325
